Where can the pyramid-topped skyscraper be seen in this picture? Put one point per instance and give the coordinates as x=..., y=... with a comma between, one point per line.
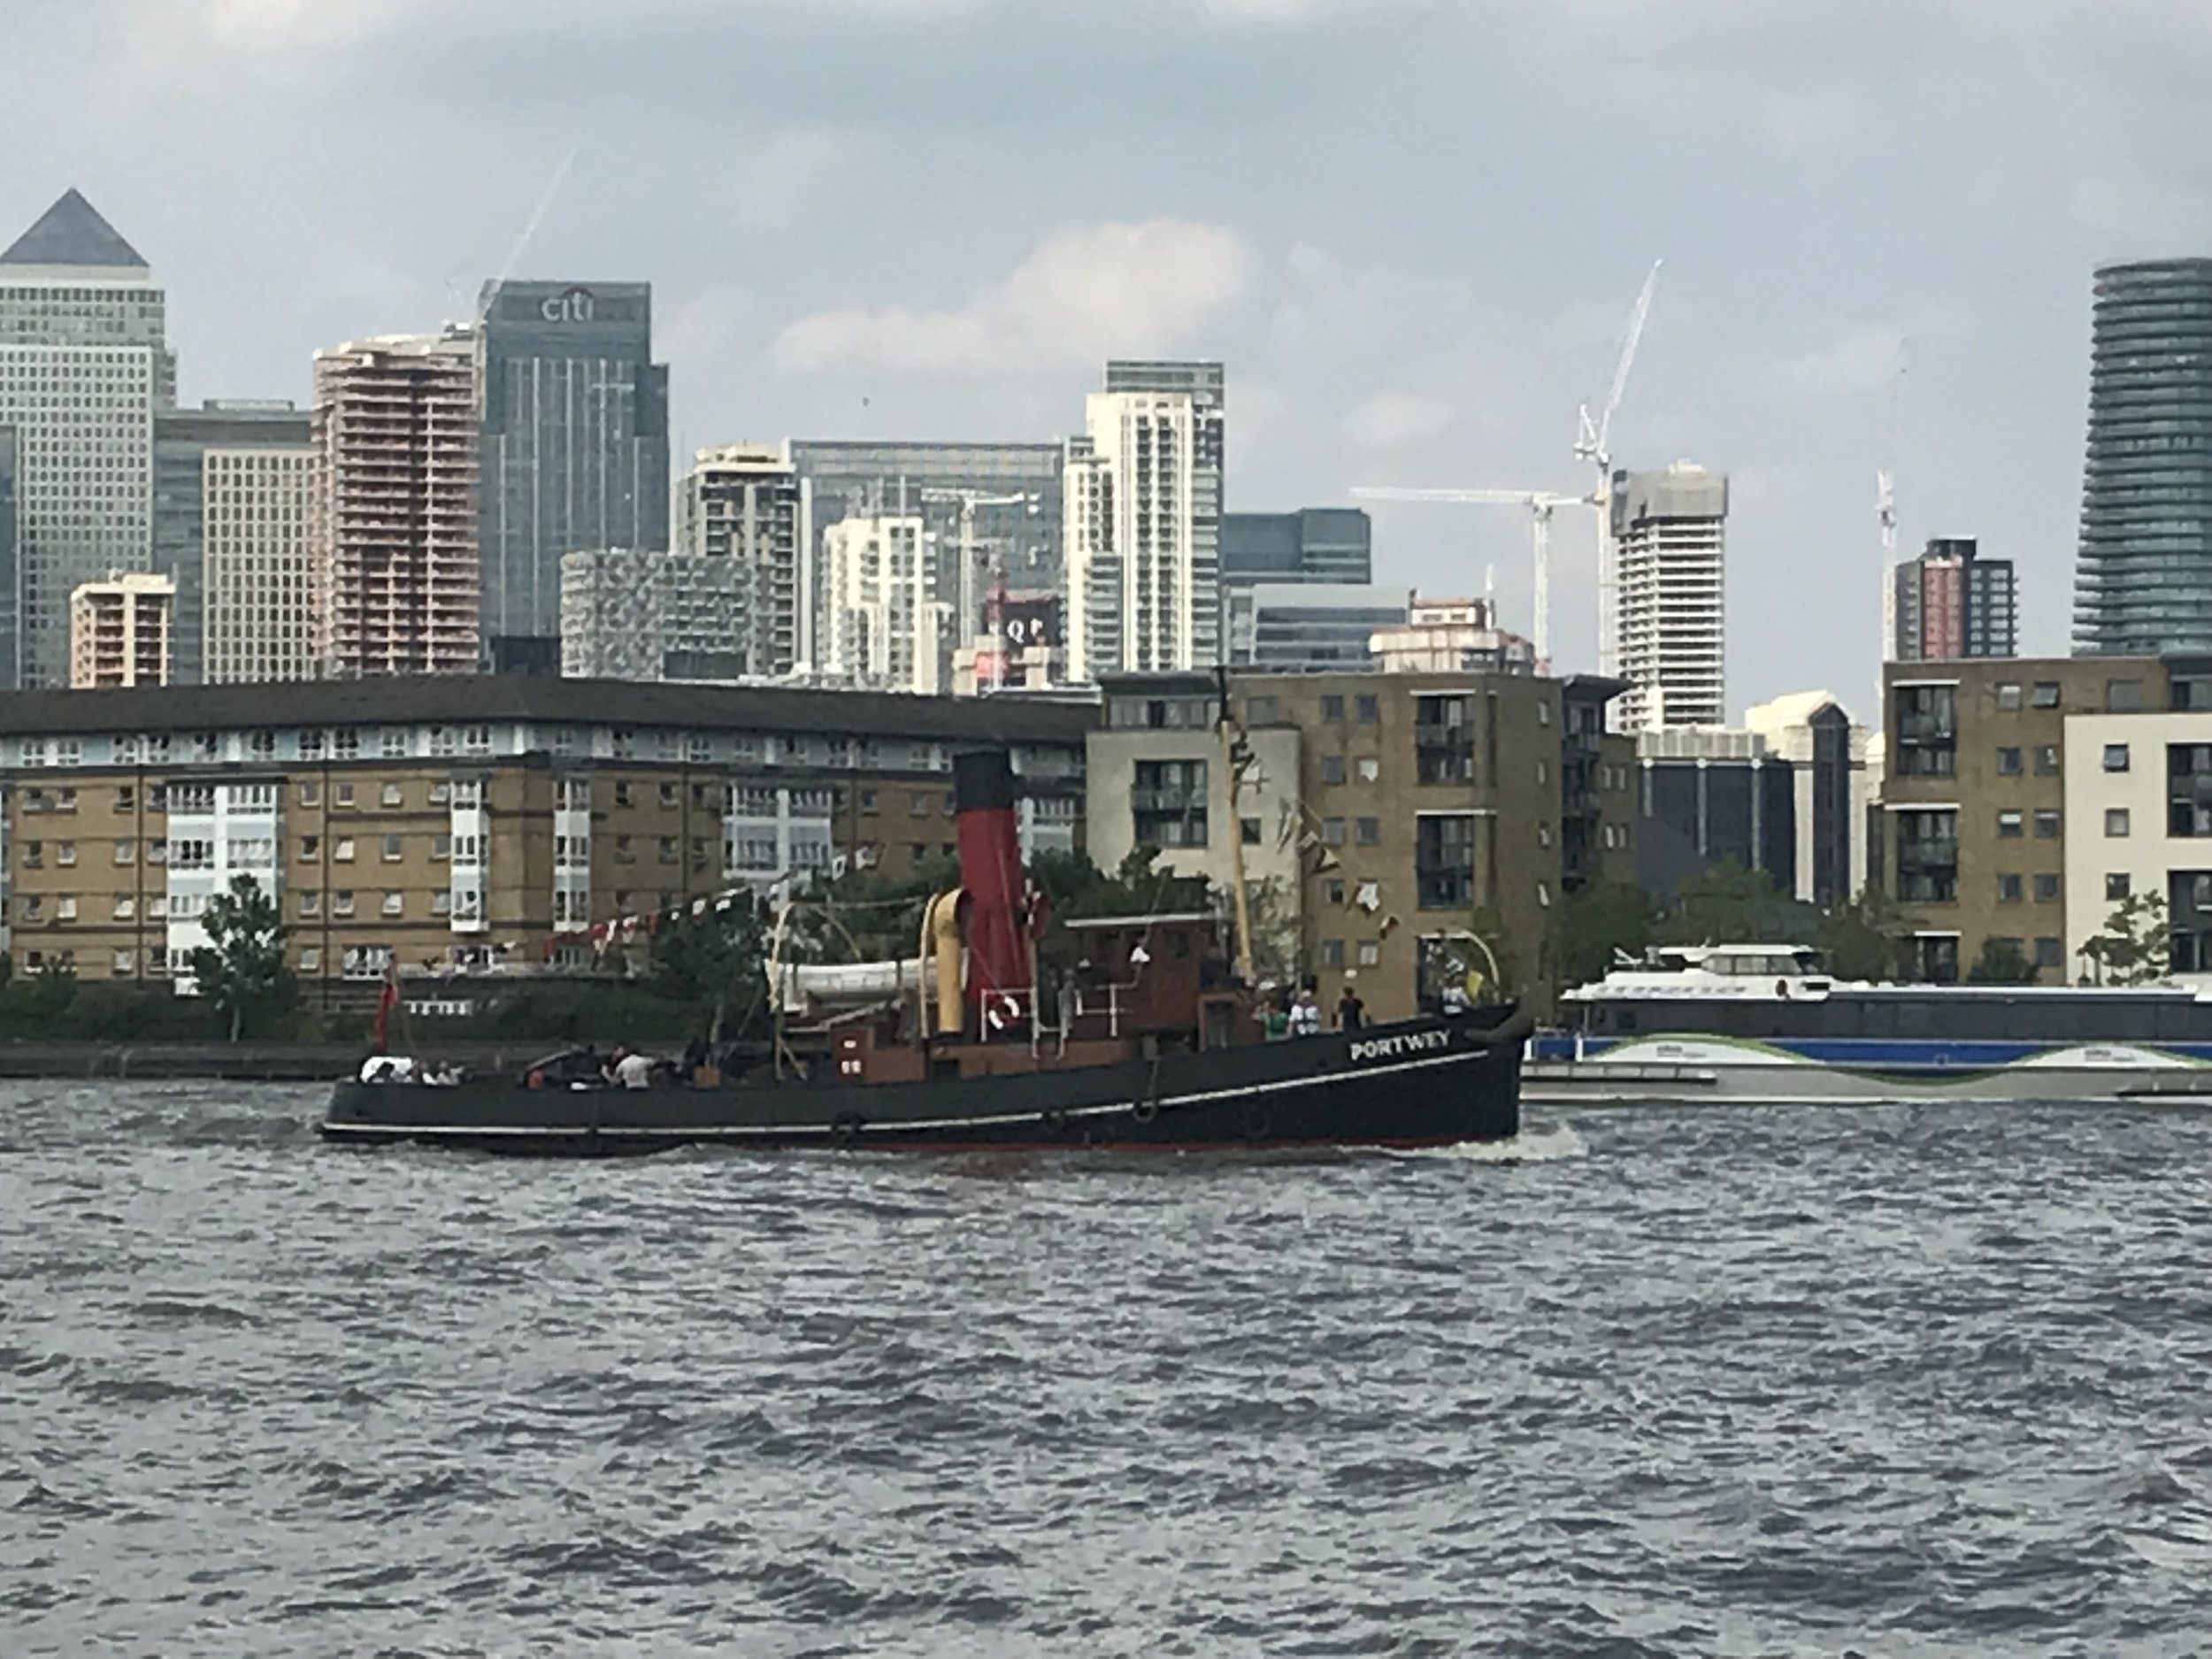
x=84, y=367
x=72, y=233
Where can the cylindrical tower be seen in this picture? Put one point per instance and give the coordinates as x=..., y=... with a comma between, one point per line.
x=2143, y=582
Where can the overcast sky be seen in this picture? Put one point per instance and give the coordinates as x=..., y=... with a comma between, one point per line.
x=1412, y=228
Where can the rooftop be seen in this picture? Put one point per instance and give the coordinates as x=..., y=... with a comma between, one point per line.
x=461, y=699
x=71, y=233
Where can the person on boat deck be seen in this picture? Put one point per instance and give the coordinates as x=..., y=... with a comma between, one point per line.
x=632, y=1070
x=1305, y=1014
x=1351, y=1013
x=1274, y=1016
x=1454, y=998
x=388, y=1068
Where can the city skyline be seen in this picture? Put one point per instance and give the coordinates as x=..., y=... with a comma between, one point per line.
x=1372, y=336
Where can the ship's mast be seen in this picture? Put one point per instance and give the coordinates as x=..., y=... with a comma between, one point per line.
x=1227, y=727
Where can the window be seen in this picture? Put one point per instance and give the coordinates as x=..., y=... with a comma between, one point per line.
x=311, y=959
x=2116, y=821
x=1332, y=708
x=341, y=794
x=623, y=852
x=1543, y=893
x=1543, y=834
x=2045, y=695
x=395, y=743
x=2047, y=824
x=1370, y=953
x=126, y=799
x=1369, y=769
x=126, y=908
x=918, y=805
x=441, y=846
x=441, y=794
x=668, y=849
x=2047, y=760
x=1263, y=711
x=1332, y=832
x=441, y=903
x=2123, y=697
x=670, y=795
x=394, y=795
x=2118, y=886
x=2009, y=695
x=126, y=852
x=2116, y=756
x=395, y=904
x=2008, y=762
x=2010, y=889
x=341, y=902
x=343, y=851
x=1332, y=769
x=65, y=852
x=1370, y=710
x=310, y=848
x=868, y=801
x=311, y=902
x=2009, y=823
x=2048, y=953
x=622, y=792
x=2047, y=890
x=347, y=744
x=1369, y=832
x=1333, y=892
x=1250, y=829
x=1331, y=953
x=391, y=849
x=311, y=794
x=126, y=963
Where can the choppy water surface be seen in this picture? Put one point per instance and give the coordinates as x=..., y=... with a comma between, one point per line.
x=1903, y=1381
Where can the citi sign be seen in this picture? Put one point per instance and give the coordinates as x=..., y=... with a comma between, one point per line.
x=570, y=306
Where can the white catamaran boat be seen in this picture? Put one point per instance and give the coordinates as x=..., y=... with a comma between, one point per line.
x=1764, y=1022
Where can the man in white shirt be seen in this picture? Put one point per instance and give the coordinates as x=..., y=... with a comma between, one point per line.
x=633, y=1071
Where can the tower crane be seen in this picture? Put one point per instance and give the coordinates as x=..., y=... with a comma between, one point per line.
x=969, y=500
x=1540, y=506
x=1593, y=444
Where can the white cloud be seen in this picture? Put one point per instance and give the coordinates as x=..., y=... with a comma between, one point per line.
x=1103, y=291
x=1390, y=420
x=1864, y=360
x=259, y=25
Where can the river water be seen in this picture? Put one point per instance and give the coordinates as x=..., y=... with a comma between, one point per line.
x=1893, y=1381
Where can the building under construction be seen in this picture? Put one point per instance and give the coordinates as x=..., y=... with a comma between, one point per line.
x=392, y=521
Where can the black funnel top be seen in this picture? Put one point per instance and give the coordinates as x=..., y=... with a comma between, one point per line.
x=982, y=779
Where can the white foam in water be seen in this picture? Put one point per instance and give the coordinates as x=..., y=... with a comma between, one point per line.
x=1545, y=1145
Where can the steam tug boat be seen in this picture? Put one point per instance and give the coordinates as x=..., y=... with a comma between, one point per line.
x=1153, y=1042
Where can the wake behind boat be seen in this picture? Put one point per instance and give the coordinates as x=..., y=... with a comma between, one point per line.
x=1159, y=1046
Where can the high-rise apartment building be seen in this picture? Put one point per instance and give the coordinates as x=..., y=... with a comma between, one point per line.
x=1314, y=544
x=1142, y=521
x=10, y=548
x=574, y=450
x=392, y=516
x=638, y=614
x=1670, y=610
x=1950, y=602
x=2143, y=578
x=1287, y=625
x=84, y=367
x=883, y=625
x=1010, y=492
x=118, y=631
x=230, y=530
x=747, y=504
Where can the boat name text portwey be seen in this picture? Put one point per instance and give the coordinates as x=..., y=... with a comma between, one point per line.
x=1408, y=1042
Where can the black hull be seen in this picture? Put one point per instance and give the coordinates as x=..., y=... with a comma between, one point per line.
x=1420, y=1083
